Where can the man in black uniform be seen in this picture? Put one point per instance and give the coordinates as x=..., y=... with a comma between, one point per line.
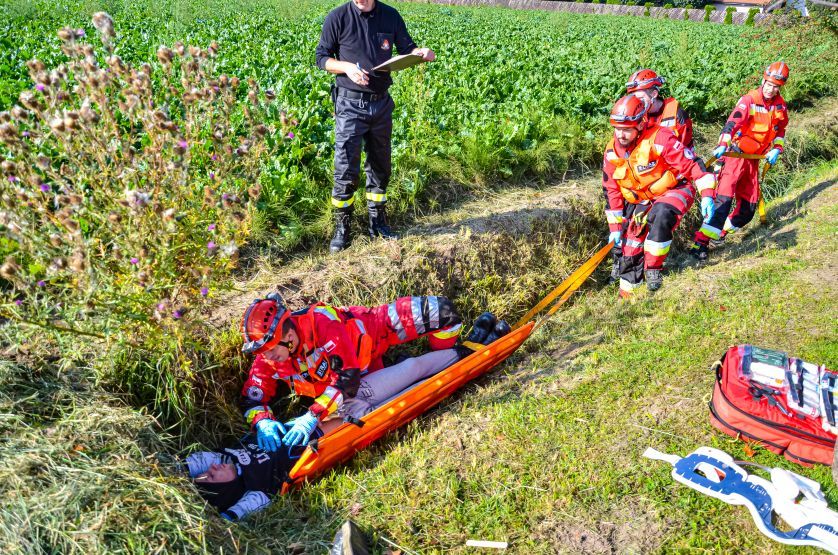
x=356, y=37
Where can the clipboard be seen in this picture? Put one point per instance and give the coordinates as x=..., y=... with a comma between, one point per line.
x=398, y=63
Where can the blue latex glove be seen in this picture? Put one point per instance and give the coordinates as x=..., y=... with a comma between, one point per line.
x=719, y=151
x=301, y=429
x=708, y=208
x=772, y=156
x=616, y=238
x=269, y=434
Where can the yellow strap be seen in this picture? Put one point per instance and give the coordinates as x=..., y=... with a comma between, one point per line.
x=763, y=216
x=712, y=159
x=567, y=287
x=472, y=345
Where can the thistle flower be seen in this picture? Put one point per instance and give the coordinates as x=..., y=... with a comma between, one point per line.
x=44, y=188
x=57, y=125
x=41, y=283
x=104, y=24
x=8, y=167
x=134, y=261
x=137, y=199
x=204, y=291
x=19, y=113
x=40, y=87
x=211, y=227
x=9, y=269
x=42, y=162
x=177, y=314
x=165, y=55
x=28, y=99
x=291, y=135
x=230, y=250
x=67, y=34
x=212, y=247
x=77, y=263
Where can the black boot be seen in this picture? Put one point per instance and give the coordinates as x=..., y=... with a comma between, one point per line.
x=343, y=230
x=699, y=251
x=501, y=328
x=378, y=223
x=483, y=326
x=654, y=279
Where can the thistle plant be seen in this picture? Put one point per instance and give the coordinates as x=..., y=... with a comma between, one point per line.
x=127, y=191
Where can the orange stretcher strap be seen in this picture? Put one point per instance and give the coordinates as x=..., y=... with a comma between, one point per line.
x=566, y=288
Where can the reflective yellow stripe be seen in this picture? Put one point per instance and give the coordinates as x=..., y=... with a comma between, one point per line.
x=780, y=141
x=329, y=400
x=448, y=333
x=337, y=203
x=614, y=216
x=655, y=248
x=729, y=227
x=327, y=311
x=250, y=414
x=710, y=231
x=706, y=181
x=627, y=286
x=377, y=197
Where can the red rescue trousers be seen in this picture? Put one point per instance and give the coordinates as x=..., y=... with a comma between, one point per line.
x=407, y=319
x=647, y=233
x=739, y=180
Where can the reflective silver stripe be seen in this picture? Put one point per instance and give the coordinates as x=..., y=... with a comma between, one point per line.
x=433, y=310
x=360, y=325
x=416, y=310
x=395, y=322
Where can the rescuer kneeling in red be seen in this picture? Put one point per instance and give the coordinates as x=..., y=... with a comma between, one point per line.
x=334, y=355
x=650, y=181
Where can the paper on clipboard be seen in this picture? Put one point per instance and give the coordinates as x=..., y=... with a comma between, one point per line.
x=398, y=63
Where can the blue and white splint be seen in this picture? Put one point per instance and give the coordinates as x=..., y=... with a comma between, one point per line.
x=715, y=473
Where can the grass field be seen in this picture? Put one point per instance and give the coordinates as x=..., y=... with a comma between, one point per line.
x=492, y=151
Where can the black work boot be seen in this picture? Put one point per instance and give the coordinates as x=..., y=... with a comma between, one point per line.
x=654, y=279
x=343, y=230
x=482, y=327
x=378, y=223
x=699, y=251
x=501, y=328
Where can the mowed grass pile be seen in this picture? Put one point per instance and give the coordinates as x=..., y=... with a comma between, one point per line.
x=90, y=432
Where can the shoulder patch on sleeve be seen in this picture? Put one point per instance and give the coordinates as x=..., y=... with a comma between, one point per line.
x=329, y=346
x=255, y=393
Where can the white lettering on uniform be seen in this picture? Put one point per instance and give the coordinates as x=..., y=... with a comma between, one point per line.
x=241, y=455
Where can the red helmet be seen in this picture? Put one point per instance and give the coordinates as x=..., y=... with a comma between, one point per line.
x=262, y=324
x=644, y=79
x=629, y=111
x=777, y=73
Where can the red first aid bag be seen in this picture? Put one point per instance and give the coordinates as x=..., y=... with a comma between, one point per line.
x=779, y=402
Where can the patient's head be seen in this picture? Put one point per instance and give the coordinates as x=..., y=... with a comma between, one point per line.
x=220, y=485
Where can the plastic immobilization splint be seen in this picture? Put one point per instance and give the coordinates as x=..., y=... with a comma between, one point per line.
x=714, y=473
x=341, y=444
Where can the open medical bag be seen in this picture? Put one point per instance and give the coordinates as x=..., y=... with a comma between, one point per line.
x=787, y=405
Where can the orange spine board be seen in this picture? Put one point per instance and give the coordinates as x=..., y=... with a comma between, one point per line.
x=341, y=444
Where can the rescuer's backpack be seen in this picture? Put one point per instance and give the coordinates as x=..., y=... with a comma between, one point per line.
x=782, y=403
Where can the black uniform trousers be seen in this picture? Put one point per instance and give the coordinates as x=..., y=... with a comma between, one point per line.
x=368, y=124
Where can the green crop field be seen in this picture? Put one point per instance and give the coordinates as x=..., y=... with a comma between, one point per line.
x=154, y=181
